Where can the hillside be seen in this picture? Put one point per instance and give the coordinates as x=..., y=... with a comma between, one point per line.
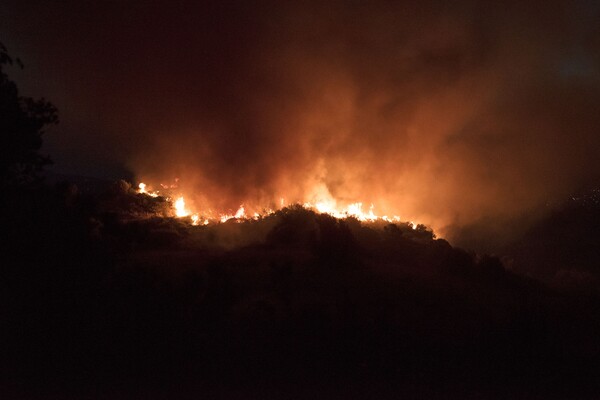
x=105, y=296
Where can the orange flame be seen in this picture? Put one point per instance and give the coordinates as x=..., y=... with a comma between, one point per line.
x=324, y=203
x=142, y=189
x=180, y=210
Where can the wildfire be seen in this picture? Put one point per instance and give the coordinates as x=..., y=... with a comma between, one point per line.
x=142, y=189
x=240, y=214
x=180, y=210
x=352, y=210
x=324, y=204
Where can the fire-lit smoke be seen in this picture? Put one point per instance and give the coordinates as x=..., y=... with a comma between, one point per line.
x=445, y=116
x=454, y=114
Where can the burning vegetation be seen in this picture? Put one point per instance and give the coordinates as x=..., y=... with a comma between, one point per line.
x=281, y=268
x=112, y=289
x=324, y=205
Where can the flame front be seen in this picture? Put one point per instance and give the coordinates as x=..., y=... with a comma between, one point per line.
x=324, y=203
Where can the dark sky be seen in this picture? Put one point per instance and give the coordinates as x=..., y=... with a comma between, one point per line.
x=456, y=115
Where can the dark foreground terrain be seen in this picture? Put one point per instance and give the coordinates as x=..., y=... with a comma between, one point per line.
x=103, y=298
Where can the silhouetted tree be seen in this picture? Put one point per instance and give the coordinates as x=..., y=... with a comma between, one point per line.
x=22, y=120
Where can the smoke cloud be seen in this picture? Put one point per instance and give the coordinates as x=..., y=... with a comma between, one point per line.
x=467, y=116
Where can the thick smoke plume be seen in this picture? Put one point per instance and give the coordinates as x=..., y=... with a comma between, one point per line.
x=457, y=116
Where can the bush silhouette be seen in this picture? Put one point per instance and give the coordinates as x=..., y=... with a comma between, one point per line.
x=22, y=122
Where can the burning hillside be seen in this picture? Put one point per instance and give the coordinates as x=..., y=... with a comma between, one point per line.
x=115, y=293
x=324, y=204
x=317, y=143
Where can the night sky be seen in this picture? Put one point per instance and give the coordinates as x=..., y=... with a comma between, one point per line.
x=456, y=115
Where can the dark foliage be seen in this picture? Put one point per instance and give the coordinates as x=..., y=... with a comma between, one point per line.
x=564, y=248
x=22, y=123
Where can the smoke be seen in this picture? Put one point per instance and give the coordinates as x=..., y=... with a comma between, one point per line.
x=470, y=117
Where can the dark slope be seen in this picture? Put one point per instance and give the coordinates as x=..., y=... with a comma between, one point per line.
x=102, y=299
x=563, y=249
